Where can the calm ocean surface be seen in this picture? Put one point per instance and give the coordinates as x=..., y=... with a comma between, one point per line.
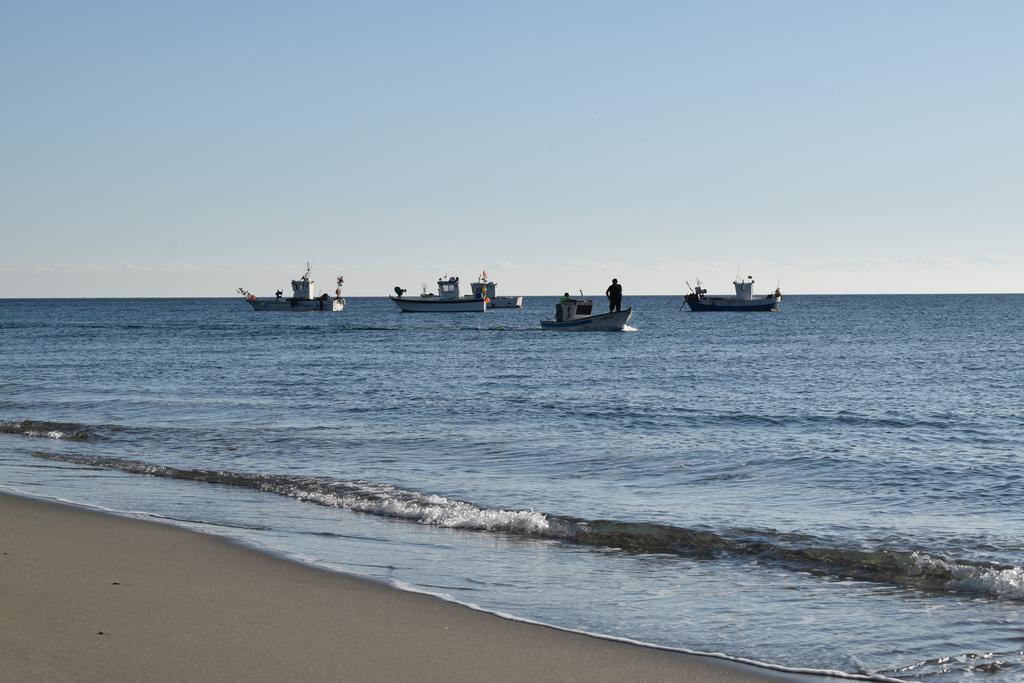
x=836, y=486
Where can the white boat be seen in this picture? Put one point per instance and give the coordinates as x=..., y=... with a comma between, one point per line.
x=699, y=300
x=483, y=288
x=572, y=315
x=447, y=299
x=301, y=300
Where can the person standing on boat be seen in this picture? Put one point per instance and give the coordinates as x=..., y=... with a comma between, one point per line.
x=614, y=294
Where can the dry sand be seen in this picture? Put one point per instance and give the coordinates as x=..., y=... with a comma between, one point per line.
x=86, y=596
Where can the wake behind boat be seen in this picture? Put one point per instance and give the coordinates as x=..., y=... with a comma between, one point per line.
x=447, y=299
x=301, y=300
x=744, y=300
x=576, y=315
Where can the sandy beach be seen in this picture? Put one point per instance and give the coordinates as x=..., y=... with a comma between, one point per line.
x=87, y=596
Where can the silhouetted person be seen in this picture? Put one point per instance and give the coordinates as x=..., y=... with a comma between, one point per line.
x=278, y=293
x=614, y=294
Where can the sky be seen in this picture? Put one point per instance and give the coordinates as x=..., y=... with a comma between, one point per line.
x=190, y=148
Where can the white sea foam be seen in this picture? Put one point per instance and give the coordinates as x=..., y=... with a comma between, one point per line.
x=428, y=509
x=1003, y=582
x=46, y=430
x=384, y=500
x=435, y=510
x=927, y=564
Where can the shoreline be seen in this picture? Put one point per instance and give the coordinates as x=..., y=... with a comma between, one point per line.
x=90, y=595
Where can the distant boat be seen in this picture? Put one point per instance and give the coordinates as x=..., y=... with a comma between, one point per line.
x=301, y=300
x=575, y=315
x=483, y=288
x=744, y=300
x=447, y=299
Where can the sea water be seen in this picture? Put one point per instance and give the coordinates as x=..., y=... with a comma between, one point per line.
x=834, y=486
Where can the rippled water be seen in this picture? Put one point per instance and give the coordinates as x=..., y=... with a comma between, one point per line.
x=835, y=486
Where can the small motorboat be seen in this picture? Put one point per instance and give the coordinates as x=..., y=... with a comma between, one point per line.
x=484, y=289
x=447, y=299
x=699, y=300
x=577, y=315
x=301, y=300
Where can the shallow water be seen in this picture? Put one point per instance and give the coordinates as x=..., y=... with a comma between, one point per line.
x=835, y=486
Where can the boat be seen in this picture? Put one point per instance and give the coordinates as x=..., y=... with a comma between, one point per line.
x=301, y=300
x=447, y=299
x=744, y=300
x=483, y=288
x=572, y=315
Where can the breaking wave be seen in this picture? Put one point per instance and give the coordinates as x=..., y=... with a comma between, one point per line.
x=912, y=569
x=359, y=496
x=65, y=431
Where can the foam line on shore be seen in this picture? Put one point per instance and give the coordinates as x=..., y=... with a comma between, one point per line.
x=792, y=551
x=831, y=673
x=214, y=530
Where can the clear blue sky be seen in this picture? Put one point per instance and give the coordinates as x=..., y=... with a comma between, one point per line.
x=166, y=148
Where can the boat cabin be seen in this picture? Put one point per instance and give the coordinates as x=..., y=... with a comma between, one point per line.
x=483, y=289
x=448, y=288
x=303, y=287
x=571, y=309
x=744, y=288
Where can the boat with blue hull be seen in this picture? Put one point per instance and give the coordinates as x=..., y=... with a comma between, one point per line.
x=743, y=301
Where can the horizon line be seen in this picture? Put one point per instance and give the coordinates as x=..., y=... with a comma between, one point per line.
x=386, y=296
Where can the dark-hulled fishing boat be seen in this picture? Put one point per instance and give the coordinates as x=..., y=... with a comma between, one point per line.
x=744, y=300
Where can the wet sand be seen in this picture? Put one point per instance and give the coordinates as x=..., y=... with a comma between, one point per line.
x=86, y=596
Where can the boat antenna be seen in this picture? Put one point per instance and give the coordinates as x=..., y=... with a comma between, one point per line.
x=691, y=292
x=582, y=295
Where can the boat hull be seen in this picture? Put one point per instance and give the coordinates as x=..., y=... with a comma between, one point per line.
x=602, y=322
x=728, y=303
x=505, y=302
x=438, y=305
x=335, y=305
